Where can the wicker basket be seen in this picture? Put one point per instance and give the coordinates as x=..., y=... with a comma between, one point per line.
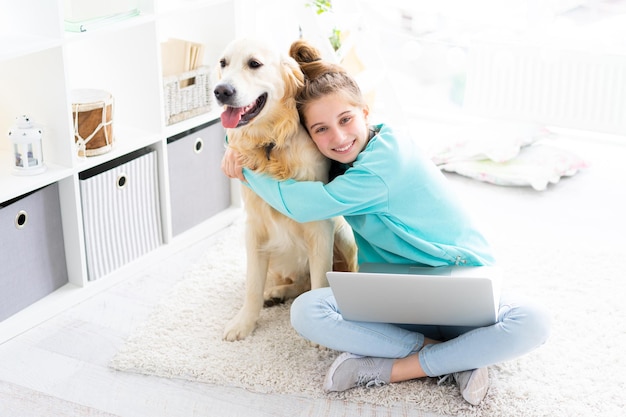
x=187, y=95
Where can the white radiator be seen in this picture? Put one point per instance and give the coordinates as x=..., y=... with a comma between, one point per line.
x=567, y=88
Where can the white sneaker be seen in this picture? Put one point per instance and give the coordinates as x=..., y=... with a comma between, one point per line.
x=473, y=384
x=350, y=371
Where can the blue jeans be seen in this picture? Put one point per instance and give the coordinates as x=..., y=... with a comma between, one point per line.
x=521, y=327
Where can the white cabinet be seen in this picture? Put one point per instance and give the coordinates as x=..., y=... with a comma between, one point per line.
x=40, y=65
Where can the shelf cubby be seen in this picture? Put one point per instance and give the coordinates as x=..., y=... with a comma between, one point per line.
x=41, y=65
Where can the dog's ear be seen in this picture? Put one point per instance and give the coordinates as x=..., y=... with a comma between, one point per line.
x=287, y=120
x=293, y=77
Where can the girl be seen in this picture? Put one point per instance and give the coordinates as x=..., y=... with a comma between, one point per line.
x=401, y=210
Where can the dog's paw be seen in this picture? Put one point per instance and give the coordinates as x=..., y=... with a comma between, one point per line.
x=275, y=294
x=271, y=302
x=280, y=293
x=238, y=329
x=318, y=346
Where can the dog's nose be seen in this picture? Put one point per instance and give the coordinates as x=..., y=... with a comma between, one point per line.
x=224, y=93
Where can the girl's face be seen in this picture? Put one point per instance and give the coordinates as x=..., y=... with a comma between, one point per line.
x=339, y=129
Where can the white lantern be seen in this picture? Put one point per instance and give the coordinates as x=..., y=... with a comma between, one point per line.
x=27, y=151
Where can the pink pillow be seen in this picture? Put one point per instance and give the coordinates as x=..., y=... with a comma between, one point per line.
x=536, y=165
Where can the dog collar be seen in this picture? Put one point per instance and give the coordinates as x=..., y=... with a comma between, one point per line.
x=268, y=149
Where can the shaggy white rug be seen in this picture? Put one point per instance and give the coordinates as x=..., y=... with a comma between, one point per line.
x=579, y=372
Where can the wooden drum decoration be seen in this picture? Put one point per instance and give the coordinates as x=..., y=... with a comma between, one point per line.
x=92, y=112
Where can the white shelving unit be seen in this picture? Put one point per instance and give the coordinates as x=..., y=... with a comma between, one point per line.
x=41, y=63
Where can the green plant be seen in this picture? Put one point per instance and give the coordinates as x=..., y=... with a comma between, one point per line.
x=326, y=6
x=335, y=39
x=321, y=6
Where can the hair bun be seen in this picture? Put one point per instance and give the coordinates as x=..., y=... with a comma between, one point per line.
x=310, y=60
x=303, y=52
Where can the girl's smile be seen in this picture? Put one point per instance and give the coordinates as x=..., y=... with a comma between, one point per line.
x=346, y=148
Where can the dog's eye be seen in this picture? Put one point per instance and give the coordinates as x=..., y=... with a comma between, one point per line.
x=222, y=63
x=254, y=64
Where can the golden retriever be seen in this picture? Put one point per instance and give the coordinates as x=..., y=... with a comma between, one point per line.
x=257, y=85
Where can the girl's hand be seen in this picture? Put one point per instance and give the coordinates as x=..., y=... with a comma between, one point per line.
x=231, y=165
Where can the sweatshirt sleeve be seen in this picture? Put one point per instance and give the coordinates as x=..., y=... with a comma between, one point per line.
x=306, y=201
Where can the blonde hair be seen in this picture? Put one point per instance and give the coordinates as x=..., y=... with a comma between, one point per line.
x=322, y=78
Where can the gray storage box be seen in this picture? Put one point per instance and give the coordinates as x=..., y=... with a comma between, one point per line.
x=121, y=212
x=198, y=188
x=32, y=251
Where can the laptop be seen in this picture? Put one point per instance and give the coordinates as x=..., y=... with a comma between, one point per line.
x=409, y=294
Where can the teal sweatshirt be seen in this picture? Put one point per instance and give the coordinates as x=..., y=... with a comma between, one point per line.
x=398, y=203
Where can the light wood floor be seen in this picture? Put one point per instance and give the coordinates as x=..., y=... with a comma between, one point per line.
x=59, y=368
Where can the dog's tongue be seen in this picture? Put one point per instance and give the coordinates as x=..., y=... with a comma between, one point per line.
x=231, y=116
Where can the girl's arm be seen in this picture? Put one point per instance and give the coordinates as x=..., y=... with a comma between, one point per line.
x=305, y=201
